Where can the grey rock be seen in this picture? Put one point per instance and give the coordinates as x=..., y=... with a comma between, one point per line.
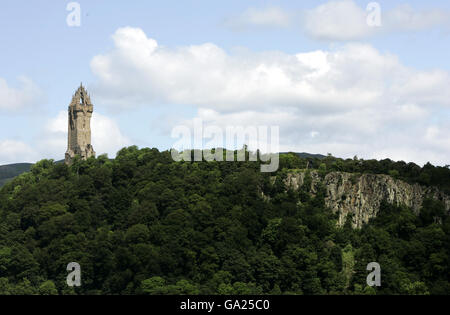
x=361, y=195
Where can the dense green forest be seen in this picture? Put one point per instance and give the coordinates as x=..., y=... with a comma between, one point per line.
x=144, y=224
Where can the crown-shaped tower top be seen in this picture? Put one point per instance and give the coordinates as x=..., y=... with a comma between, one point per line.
x=81, y=97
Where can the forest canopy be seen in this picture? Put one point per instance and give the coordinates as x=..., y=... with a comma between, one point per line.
x=144, y=224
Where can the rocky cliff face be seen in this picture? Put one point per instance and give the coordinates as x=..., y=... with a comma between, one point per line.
x=362, y=195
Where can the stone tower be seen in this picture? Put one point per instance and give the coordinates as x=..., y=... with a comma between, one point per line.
x=79, y=136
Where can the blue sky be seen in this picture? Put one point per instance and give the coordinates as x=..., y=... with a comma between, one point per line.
x=380, y=113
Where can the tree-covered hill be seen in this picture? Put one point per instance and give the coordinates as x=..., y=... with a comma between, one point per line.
x=144, y=224
x=8, y=172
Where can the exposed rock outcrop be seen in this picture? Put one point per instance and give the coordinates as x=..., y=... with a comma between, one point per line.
x=362, y=194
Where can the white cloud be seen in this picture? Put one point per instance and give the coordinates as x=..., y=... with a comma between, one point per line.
x=141, y=71
x=350, y=100
x=260, y=17
x=13, y=151
x=337, y=20
x=405, y=18
x=106, y=135
x=24, y=97
x=352, y=76
x=431, y=87
x=344, y=20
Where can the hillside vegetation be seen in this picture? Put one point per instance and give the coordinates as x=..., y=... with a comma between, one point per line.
x=8, y=172
x=144, y=224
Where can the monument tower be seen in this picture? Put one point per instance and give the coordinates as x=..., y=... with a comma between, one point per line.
x=79, y=135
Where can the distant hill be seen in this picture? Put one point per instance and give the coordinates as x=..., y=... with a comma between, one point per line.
x=8, y=172
x=305, y=155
